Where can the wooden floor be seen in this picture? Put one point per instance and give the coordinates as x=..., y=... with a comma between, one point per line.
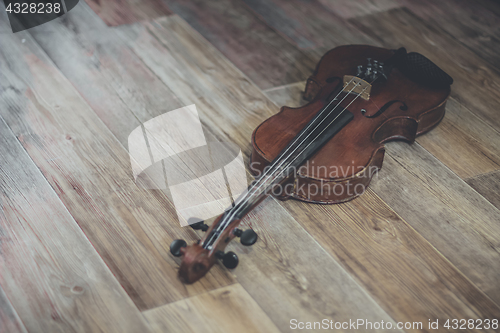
x=84, y=249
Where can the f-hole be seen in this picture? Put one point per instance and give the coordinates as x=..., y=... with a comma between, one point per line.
x=403, y=107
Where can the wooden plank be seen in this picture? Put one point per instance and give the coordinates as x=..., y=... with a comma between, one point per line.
x=406, y=275
x=105, y=72
x=257, y=50
x=454, y=218
x=229, y=309
x=488, y=186
x=50, y=271
x=286, y=271
x=118, y=12
x=403, y=271
x=471, y=124
x=289, y=95
x=9, y=319
x=90, y=170
x=308, y=25
x=350, y=9
x=474, y=80
x=474, y=23
x=461, y=133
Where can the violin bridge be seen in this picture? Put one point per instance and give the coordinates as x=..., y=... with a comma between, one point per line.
x=355, y=85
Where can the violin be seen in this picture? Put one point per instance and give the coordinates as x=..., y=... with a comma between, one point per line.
x=327, y=151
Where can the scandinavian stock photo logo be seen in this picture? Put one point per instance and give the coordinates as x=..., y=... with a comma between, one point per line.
x=171, y=153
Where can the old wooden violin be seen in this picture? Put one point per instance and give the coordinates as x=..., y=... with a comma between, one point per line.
x=328, y=150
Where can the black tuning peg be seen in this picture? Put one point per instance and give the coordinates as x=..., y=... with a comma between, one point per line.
x=176, y=246
x=229, y=260
x=198, y=225
x=247, y=237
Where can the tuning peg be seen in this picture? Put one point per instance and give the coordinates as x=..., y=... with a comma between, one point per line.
x=176, y=246
x=199, y=226
x=229, y=260
x=360, y=70
x=247, y=237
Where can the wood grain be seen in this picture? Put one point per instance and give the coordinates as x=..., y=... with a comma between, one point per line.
x=50, y=271
x=454, y=218
x=121, y=90
x=407, y=276
x=474, y=24
x=462, y=134
x=403, y=271
x=131, y=228
x=255, y=48
x=488, y=186
x=286, y=271
x=288, y=95
x=228, y=309
x=350, y=9
x=475, y=81
x=471, y=126
x=9, y=320
x=118, y=12
x=308, y=25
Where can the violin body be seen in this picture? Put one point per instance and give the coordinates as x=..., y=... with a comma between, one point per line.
x=397, y=109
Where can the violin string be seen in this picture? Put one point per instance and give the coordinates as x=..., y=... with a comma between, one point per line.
x=312, y=141
x=295, y=140
x=271, y=168
x=254, y=190
x=227, y=219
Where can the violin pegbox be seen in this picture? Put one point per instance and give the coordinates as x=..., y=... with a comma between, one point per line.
x=371, y=72
x=361, y=83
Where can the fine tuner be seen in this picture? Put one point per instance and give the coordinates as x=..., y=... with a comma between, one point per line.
x=406, y=88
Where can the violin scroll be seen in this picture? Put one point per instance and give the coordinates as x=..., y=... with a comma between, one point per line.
x=196, y=262
x=197, y=259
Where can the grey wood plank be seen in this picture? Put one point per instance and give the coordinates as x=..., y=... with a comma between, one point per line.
x=475, y=24
x=288, y=95
x=121, y=90
x=463, y=134
x=9, y=319
x=50, y=271
x=267, y=58
x=444, y=209
x=91, y=173
x=475, y=81
x=309, y=25
x=488, y=186
x=353, y=9
x=224, y=310
x=118, y=12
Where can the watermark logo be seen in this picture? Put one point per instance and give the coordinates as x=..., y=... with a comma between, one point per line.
x=202, y=178
x=26, y=14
